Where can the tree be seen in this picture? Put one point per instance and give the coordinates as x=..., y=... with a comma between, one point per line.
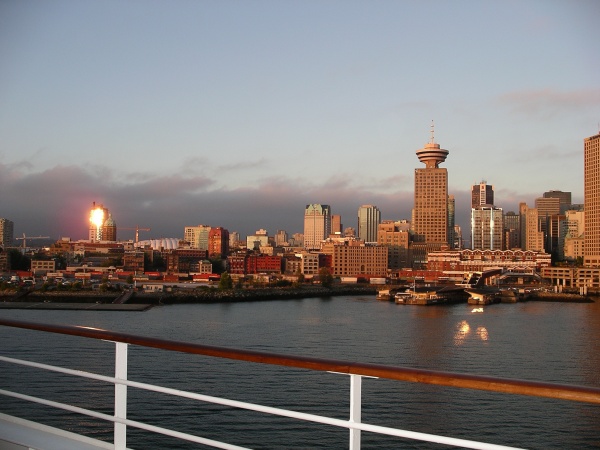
x=225, y=282
x=325, y=277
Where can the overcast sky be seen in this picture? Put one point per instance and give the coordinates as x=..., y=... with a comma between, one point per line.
x=240, y=113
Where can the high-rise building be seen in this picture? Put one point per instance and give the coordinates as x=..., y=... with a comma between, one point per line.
x=531, y=237
x=482, y=194
x=98, y=216
x=564, y=199
x=317, y=225
x=109, y=229
x=512, y=230
x=451, y=221
x=395, y=236
x=7, y=230
x=234, y=239
x=430, y=213
x=197, y=236
x=218, y=242
x=486, y=228
x=369, y=217
x=336, y=224
x=574, y=239
x=591, y=201
x=281, y=238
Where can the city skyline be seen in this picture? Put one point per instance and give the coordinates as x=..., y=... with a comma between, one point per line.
x=239, y=115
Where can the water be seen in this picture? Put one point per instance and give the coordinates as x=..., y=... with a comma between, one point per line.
x=553, y=342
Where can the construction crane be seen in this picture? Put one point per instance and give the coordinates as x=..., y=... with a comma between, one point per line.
x=137, y=229
x=24, y=239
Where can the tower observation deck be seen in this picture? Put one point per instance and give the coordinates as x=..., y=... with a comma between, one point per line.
x=432, y=155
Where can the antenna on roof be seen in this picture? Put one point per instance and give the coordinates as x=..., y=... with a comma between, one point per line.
x=432, y=132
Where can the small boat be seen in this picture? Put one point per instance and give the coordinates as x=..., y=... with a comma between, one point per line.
x=384, y=295
x=402, y=298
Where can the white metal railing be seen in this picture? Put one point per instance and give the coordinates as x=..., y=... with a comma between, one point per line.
x=353, y=424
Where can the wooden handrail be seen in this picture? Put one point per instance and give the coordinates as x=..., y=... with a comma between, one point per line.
x=459, y=380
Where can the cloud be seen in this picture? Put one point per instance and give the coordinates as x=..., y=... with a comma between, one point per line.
x=549, y=102
x=56, y=201
x=546, y=153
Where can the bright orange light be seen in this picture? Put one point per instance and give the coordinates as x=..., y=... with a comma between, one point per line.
x=97, y=217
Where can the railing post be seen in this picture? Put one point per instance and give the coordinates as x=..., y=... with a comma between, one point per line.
x=355, y=409
x=120, y=395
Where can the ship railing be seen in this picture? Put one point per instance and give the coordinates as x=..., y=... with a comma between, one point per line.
x=356, y=372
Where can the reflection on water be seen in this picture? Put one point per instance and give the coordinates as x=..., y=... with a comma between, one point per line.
x=463, y=330
x=482, y=332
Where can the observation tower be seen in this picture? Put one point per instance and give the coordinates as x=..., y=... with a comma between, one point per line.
x=432, y=155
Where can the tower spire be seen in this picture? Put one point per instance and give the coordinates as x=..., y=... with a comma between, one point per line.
x=432, y=141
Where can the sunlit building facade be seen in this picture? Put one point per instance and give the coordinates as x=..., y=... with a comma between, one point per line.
x=486, y=228
x=591, y=201
x=369, y=218
x=482, y=194
x=317, y=225
x=430, y=213
x=98, y=217
x=197, y=236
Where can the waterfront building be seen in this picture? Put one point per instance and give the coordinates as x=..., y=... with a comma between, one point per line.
x=395, y=235
x=531, y=237
x=430, y=213
x=317, y=225
x=264, y=264
x=309, y=263
x=42, y=267
x=197, y=236
x=180, y=261
x=369, y=218
x=218, y=242
x=486, y=228
x=482, y=194
x=7, y=230
x=523, y=261
x=352, y=258
x=576, y=277
x=591, y=201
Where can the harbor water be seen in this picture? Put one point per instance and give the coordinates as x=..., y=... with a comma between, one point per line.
x=540, y=341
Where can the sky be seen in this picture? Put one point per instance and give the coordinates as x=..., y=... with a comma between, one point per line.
x=240, y=113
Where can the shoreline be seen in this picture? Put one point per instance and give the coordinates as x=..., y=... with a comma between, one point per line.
x=186, y=296
x=85, y=299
